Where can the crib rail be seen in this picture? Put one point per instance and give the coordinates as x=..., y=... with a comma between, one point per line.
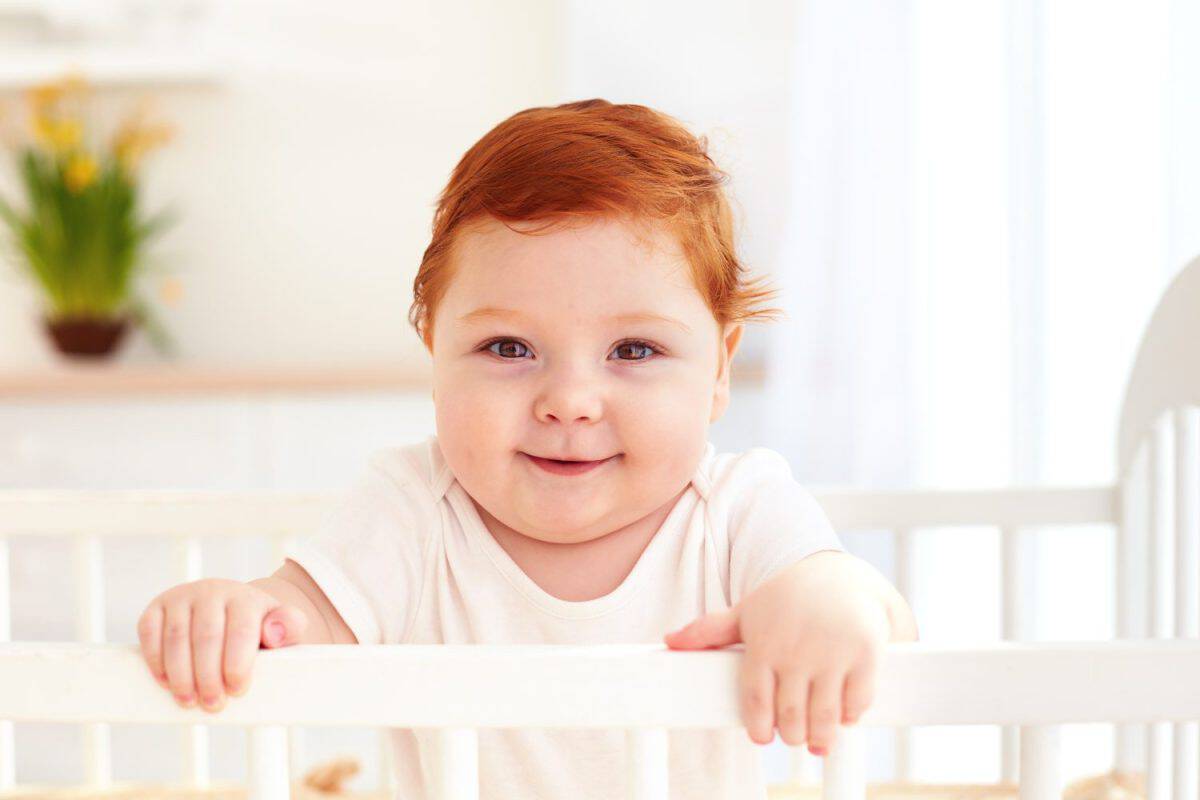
x=607, y=686
x=262, y=513
x=192, y=517
x=643, y=689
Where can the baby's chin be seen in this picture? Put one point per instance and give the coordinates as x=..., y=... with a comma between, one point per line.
x=553, y=520
x=570, y=528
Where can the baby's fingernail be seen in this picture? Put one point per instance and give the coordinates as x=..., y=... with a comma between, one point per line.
x=275, y=632
x=187, y=700
x=816, y=751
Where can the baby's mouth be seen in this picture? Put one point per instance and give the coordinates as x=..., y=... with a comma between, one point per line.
x=567, y=467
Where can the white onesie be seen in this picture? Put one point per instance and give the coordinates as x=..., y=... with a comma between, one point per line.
x=405, y=559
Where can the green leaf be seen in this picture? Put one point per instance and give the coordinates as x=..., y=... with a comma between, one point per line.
x=155, y=332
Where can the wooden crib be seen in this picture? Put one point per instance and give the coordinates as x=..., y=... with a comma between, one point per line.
x=1146, y=682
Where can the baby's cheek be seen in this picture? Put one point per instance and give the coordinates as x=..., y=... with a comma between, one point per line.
x=663, y=461
x=667, y=426
x=467, y=431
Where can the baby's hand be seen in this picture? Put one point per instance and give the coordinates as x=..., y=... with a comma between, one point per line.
x=814, y=635
x=200, y=638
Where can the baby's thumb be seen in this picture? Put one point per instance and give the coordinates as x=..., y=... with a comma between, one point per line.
x=712, y=630
x=283, y=626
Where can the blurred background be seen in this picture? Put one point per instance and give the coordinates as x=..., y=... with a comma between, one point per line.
x=970, y=209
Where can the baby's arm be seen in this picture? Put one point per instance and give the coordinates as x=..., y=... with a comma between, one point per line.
x=199, y=639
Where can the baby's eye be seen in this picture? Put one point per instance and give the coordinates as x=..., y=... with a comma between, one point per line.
x=508, y=346
x=647, y=349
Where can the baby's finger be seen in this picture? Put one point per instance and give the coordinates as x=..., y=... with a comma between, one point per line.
x=791, y=705
x=208, y=640
x=177, y=651
x=824, y=711
x=758, y=699
x=149, y=630
x=282, y=626
x=859, y=691
x=242, y=621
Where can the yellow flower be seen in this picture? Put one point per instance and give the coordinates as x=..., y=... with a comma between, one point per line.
x=133, y=140
x=171, y=290
x=80, y=172
x=55, y=113
x=45, y=95
x=60, y=135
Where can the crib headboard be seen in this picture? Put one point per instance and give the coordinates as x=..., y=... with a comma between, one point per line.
x=1158, y=541
x=1166, y=370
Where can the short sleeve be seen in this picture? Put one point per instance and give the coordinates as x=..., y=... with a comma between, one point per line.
x=774, y=521
x=367, y=551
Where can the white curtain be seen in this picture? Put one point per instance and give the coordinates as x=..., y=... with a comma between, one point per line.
x=839, y=393
x=984, y=207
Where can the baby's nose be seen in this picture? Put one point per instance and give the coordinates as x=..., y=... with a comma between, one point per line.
x=570, y=400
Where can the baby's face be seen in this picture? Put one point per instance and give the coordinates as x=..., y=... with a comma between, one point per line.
x=539, y=353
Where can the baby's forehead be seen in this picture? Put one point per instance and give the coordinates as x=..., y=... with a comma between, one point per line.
x=584, y=272
x=486, y=237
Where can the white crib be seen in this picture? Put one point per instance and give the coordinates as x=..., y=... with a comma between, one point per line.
x=1147, y=682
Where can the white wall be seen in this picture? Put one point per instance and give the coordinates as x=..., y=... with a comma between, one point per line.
x=306, y=180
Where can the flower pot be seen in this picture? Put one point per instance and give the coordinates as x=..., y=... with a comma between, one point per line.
x=86, y=337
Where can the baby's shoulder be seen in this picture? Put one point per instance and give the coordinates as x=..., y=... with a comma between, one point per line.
x=403, y=462
x=414, y=468
x=756, y=480
x=739, y=472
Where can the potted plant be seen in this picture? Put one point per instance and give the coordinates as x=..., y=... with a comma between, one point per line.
x=79, y=232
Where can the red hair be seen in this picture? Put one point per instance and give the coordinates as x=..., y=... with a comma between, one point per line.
x=576, y=161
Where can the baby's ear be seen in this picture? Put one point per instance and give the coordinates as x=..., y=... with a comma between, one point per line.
x=730, y=340
x=729, y=345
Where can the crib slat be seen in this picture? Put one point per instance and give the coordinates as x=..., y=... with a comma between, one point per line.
x=190, y=566
x=1187, y=574
x=387, y=778
x=802, y=770
x=1130, y=594
x=457, y=764
x=1158, y=764
x=845, y=776
x=1158, y=600
x=89, y=578
x=648, y=763
x=1183, y=784
x=1041, y=771
x=1012, y=628
x=89, y=571
x=798, y=771
x=8, y=756
x=905, y=568
x=268, y=762
x=280, y=546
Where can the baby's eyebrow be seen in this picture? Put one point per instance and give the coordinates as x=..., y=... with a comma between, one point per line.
x=490, y=312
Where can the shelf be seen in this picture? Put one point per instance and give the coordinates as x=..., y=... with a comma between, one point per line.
x=130, y=66
x=71, y=381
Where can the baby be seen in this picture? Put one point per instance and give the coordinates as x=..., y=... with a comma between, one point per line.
x=582, y=303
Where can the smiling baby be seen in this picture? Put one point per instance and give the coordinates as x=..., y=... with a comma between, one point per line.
x=582, y=303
